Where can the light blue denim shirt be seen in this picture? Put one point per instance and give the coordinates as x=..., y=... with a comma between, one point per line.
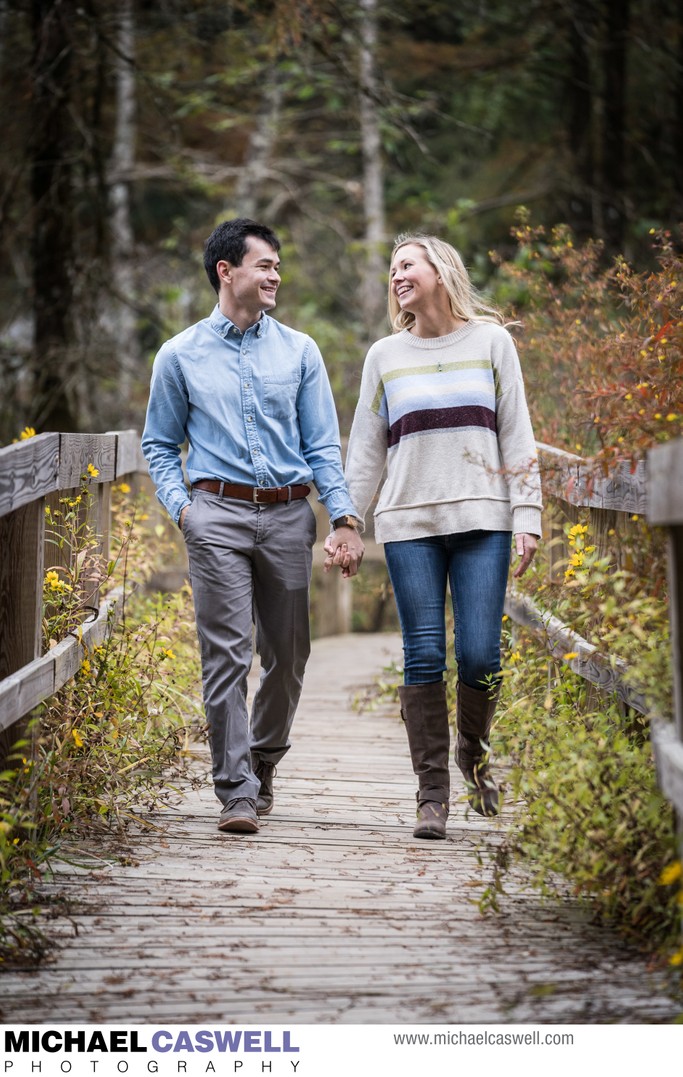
x=255, y=407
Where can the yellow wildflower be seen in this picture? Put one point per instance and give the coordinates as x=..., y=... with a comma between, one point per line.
x=53, y=581
x=168, y=653
x=124, y=488
x=677, y=959
x=671, y=873
x=92, y=471
x=85, y=666
x=26, y=433
x=78, y=739
x=569, y=655
x=671, y=417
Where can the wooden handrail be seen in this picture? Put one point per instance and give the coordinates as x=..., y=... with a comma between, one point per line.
x=31, y=471
x=654, y=488
x=49, y=463
x=571, y=479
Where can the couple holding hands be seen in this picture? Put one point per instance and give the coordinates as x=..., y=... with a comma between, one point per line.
x=441, y=409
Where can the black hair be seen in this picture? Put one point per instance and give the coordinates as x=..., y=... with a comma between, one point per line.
x=228, y=243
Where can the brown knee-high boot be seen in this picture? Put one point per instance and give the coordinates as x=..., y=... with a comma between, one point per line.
x=474, y=714
x=425, y=713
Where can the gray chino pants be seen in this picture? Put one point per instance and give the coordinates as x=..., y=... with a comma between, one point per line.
x=249, y=565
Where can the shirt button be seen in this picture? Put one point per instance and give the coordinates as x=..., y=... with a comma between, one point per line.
x=250, y=418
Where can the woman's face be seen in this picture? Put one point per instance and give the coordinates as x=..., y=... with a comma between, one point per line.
x=413, y=278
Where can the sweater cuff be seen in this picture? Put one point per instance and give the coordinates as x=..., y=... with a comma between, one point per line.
x=526, y=520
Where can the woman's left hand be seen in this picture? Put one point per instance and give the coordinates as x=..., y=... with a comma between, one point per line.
x=526, y=546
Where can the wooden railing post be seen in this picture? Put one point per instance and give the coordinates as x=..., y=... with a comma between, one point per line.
x=28, y=472
x=665, y=508
x=49, y=466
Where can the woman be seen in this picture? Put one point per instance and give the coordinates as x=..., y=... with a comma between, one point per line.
x=442, y=406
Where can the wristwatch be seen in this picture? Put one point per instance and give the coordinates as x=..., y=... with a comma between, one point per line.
x=345, y=521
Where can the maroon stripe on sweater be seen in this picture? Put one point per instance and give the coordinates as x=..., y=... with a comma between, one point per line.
x=414, y=422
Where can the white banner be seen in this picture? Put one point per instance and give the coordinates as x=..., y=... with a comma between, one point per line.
x=335, y=1050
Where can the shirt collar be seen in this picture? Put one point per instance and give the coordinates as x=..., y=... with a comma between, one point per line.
x=224, y=326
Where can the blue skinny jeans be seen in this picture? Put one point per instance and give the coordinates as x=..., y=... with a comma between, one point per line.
x=476, y=564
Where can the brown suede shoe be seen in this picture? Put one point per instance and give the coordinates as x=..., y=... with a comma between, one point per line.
x=239, y=816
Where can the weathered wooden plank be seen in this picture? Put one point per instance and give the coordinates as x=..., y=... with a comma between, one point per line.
x=332, y=913
x=571, y=479
x=25, y=689
x=668, y=751
x=28, y=470
x=37, y=680
x=606, y=672
x=129, y=458
x=665, y=483
x=675, y=575
x=21, y=586
x=76, y=451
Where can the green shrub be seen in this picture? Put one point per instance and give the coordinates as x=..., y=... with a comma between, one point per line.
x=110, y=744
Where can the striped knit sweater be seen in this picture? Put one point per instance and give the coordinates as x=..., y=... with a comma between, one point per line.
x=448, y=417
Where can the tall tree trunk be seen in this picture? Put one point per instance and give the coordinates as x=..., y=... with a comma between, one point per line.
x=260, y=147
x=373, y=291
x=52, y=206
x=580, y=104
x=677, y=135
x=614, y=181
x=121, y=168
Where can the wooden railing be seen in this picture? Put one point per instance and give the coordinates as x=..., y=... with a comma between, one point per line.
x=665, y=509
x=31, y=472
x=654, y=489
x=50, y=464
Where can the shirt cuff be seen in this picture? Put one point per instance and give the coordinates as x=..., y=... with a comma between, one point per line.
x=174, y=503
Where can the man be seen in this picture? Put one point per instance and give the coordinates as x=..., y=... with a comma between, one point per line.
x=253, y=400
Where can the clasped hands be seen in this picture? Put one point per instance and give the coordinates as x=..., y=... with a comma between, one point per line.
x=344, y=548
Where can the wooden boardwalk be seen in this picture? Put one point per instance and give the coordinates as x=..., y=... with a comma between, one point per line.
x=333, y=913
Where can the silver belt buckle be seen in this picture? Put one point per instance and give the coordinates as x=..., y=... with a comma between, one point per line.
x=255, y=495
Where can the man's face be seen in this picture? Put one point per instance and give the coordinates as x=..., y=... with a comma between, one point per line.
x=252, y=286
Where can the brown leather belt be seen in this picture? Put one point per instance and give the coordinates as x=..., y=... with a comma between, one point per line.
x=259, y=495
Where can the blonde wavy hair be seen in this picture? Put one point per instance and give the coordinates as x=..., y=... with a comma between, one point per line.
x=465, y=301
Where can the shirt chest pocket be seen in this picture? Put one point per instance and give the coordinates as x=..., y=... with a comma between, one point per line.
x=279, y=397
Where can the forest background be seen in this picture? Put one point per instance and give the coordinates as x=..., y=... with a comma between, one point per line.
x=131, y=128
x=544, y=139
